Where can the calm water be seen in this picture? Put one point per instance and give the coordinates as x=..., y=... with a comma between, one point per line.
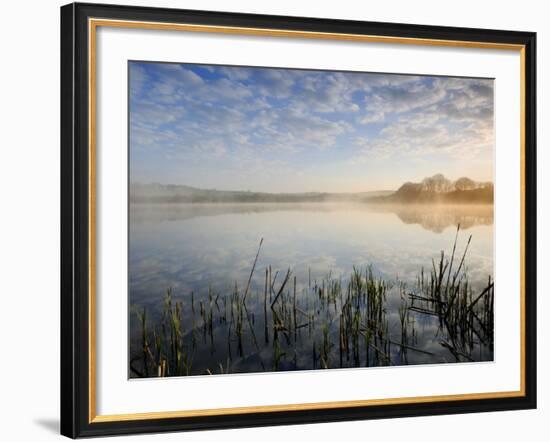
x=204, y=249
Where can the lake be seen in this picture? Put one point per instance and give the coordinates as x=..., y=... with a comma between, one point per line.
x=326, y=315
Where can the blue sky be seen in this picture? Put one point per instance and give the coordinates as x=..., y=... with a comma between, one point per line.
x=287, y=130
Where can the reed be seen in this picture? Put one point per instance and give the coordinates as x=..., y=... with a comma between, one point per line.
x=355, y=317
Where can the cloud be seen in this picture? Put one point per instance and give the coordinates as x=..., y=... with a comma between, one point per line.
x=139, y=78
x=372, y=117
x=283, y=119
x=404, y=98
x=178, y=75
x=275, y=83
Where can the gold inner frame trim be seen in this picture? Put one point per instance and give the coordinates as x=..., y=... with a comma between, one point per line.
x=93, y=24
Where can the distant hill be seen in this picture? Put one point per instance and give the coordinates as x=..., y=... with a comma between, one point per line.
x=169, y=193
x=438, y=189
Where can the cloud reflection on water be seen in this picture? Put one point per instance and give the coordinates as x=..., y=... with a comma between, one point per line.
x=194, y=248
x=189, y=246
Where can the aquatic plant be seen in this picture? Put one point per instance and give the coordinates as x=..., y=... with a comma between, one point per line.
x=340, y=324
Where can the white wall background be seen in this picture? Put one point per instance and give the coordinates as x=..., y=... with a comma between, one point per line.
x=29, y=220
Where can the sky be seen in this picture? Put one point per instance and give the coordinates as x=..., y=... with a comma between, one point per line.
x=290, y=130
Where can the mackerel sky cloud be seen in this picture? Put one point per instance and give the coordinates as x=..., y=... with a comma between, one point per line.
x=287, y=130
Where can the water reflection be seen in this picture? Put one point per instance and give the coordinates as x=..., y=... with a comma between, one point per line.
x=208, y=250
x=146, y=213
x=438, y=217
x=435, y=218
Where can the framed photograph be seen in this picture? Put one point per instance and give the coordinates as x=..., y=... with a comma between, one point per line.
x=275, y=220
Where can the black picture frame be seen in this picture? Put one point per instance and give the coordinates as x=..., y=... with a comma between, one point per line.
x=75, y=220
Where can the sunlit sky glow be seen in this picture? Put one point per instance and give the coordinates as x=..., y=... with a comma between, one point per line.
x=285, y=130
